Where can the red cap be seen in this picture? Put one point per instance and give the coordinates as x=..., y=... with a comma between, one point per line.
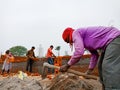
x=67, y=34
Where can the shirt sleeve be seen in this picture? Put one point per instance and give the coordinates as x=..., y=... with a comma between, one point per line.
x=34, y=55
x=27, y=54
x=93, y=59
x=79, y=48
x=50, y=51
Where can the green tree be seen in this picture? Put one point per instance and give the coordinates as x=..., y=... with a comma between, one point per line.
x=18, y=50
x=58, y=49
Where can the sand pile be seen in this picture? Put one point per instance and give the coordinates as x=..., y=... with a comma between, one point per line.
x=73, y=82
x=14, y=83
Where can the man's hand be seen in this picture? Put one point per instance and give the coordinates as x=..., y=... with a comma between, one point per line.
x=35, y=59
x=89, y=71
x=32, y=58
x=54, y=56
x=64, y=68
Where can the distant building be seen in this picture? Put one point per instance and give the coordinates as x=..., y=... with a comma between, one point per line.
x=66, y=53
x=40, y=51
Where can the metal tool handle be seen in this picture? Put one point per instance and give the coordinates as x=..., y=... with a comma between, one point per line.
x=72, y=71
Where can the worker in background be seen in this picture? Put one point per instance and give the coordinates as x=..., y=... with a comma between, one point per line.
x=106, y=39
x=30, y=59
x=50, y=56
x=7, y=65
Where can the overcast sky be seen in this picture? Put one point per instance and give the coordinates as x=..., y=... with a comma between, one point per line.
x=34, y=22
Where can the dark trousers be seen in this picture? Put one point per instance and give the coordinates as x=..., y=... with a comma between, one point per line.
x=109, y=66
x=50, y=61
x=29, y=65
x=4, y=71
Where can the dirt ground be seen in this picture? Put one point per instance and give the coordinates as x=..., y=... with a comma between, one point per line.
x=34, y=81
x=69, y=81
x=60, y=82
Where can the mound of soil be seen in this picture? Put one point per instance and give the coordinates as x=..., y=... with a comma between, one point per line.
x=72, y=82
x=14, y=83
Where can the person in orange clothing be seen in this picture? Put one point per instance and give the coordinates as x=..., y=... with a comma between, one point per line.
x=7, y=65
x=50, y=56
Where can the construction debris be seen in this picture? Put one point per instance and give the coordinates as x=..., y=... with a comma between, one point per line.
x=66, y=81
x=15, y=83
x=73, y=82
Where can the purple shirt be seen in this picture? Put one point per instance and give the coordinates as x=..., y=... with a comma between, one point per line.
x=91, y=38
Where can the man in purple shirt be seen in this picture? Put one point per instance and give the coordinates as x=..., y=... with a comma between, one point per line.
x=106, y=39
